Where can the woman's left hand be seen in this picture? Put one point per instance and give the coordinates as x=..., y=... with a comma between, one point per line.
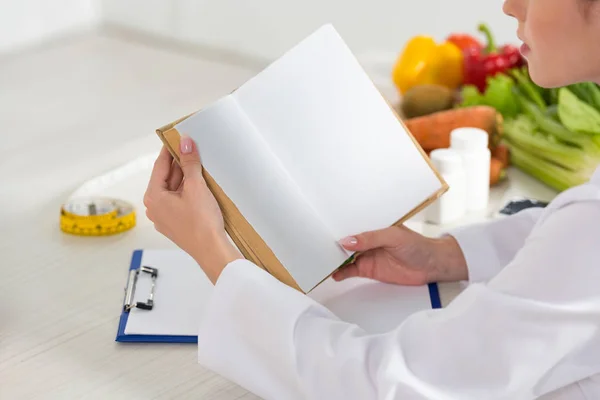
x=182, y=208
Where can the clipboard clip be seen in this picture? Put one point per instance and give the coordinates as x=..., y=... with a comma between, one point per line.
x=130, y=290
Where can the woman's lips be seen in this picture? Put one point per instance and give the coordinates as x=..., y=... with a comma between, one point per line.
x=525, y=48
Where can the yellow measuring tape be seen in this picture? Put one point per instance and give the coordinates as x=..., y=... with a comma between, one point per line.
x=96, y=216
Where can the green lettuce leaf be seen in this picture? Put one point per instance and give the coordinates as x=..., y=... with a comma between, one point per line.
x=498, y=94
x=588, y=92
x=576, y=114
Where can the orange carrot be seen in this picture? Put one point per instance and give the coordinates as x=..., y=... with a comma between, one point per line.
x=433, y=131
x=497, y=171
x=501, y=152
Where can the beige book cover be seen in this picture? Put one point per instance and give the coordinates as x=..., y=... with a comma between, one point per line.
x=306, y=153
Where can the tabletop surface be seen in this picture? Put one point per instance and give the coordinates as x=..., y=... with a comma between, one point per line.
x=70, y=112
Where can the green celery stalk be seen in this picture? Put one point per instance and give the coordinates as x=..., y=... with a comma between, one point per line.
x=523, y=133
x=553, y=96
x=551, y=126
x=528, y=87
x=555, y=176
x=543, y=156
x=552, y=112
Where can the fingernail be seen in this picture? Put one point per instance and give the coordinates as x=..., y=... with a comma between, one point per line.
x=349, y=241
x=186, y=145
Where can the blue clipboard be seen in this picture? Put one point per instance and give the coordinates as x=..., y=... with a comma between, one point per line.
x=434, y=295
x=136, y=264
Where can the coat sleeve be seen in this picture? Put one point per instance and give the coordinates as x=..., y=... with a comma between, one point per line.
x=490, y=246
x=531, y=329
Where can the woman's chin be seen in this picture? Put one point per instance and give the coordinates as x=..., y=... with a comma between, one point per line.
x=552, y=74
x=544, y=78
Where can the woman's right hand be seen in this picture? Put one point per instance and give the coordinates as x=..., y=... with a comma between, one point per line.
x=401, y=256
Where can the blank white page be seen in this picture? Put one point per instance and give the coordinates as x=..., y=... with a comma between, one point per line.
x=181, y=294
x=240, y=161
x=336, y=136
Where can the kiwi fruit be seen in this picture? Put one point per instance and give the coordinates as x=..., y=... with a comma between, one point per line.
x=426, y=99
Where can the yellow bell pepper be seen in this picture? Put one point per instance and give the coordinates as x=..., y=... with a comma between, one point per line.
x=424, y=61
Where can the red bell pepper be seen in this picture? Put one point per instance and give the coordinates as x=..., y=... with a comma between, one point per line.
x=464, y=41
x=481, y=63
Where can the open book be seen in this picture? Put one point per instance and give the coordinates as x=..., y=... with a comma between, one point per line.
x=306, y=153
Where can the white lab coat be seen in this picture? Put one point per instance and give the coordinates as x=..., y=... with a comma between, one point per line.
x=526, y=327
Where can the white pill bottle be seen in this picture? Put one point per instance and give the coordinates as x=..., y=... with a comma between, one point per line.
x=473, y=146
x=450, y=207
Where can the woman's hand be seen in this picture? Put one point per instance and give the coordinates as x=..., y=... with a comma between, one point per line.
x=401, y=256
x=183, y=209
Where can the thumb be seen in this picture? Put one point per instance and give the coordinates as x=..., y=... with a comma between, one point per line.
x=388, y=237
x=189, y=159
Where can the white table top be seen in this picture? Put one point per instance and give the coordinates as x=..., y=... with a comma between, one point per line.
x=60, y=295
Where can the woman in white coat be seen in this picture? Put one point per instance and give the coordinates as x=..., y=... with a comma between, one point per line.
x=527, y=326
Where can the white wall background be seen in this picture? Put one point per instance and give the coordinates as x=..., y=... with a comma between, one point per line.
x=26, y=22
x=376, y=30
x=266, y=28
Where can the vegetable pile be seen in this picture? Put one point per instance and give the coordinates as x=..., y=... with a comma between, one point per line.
x=551, y=134
x=428, y=75
x=459, y=60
